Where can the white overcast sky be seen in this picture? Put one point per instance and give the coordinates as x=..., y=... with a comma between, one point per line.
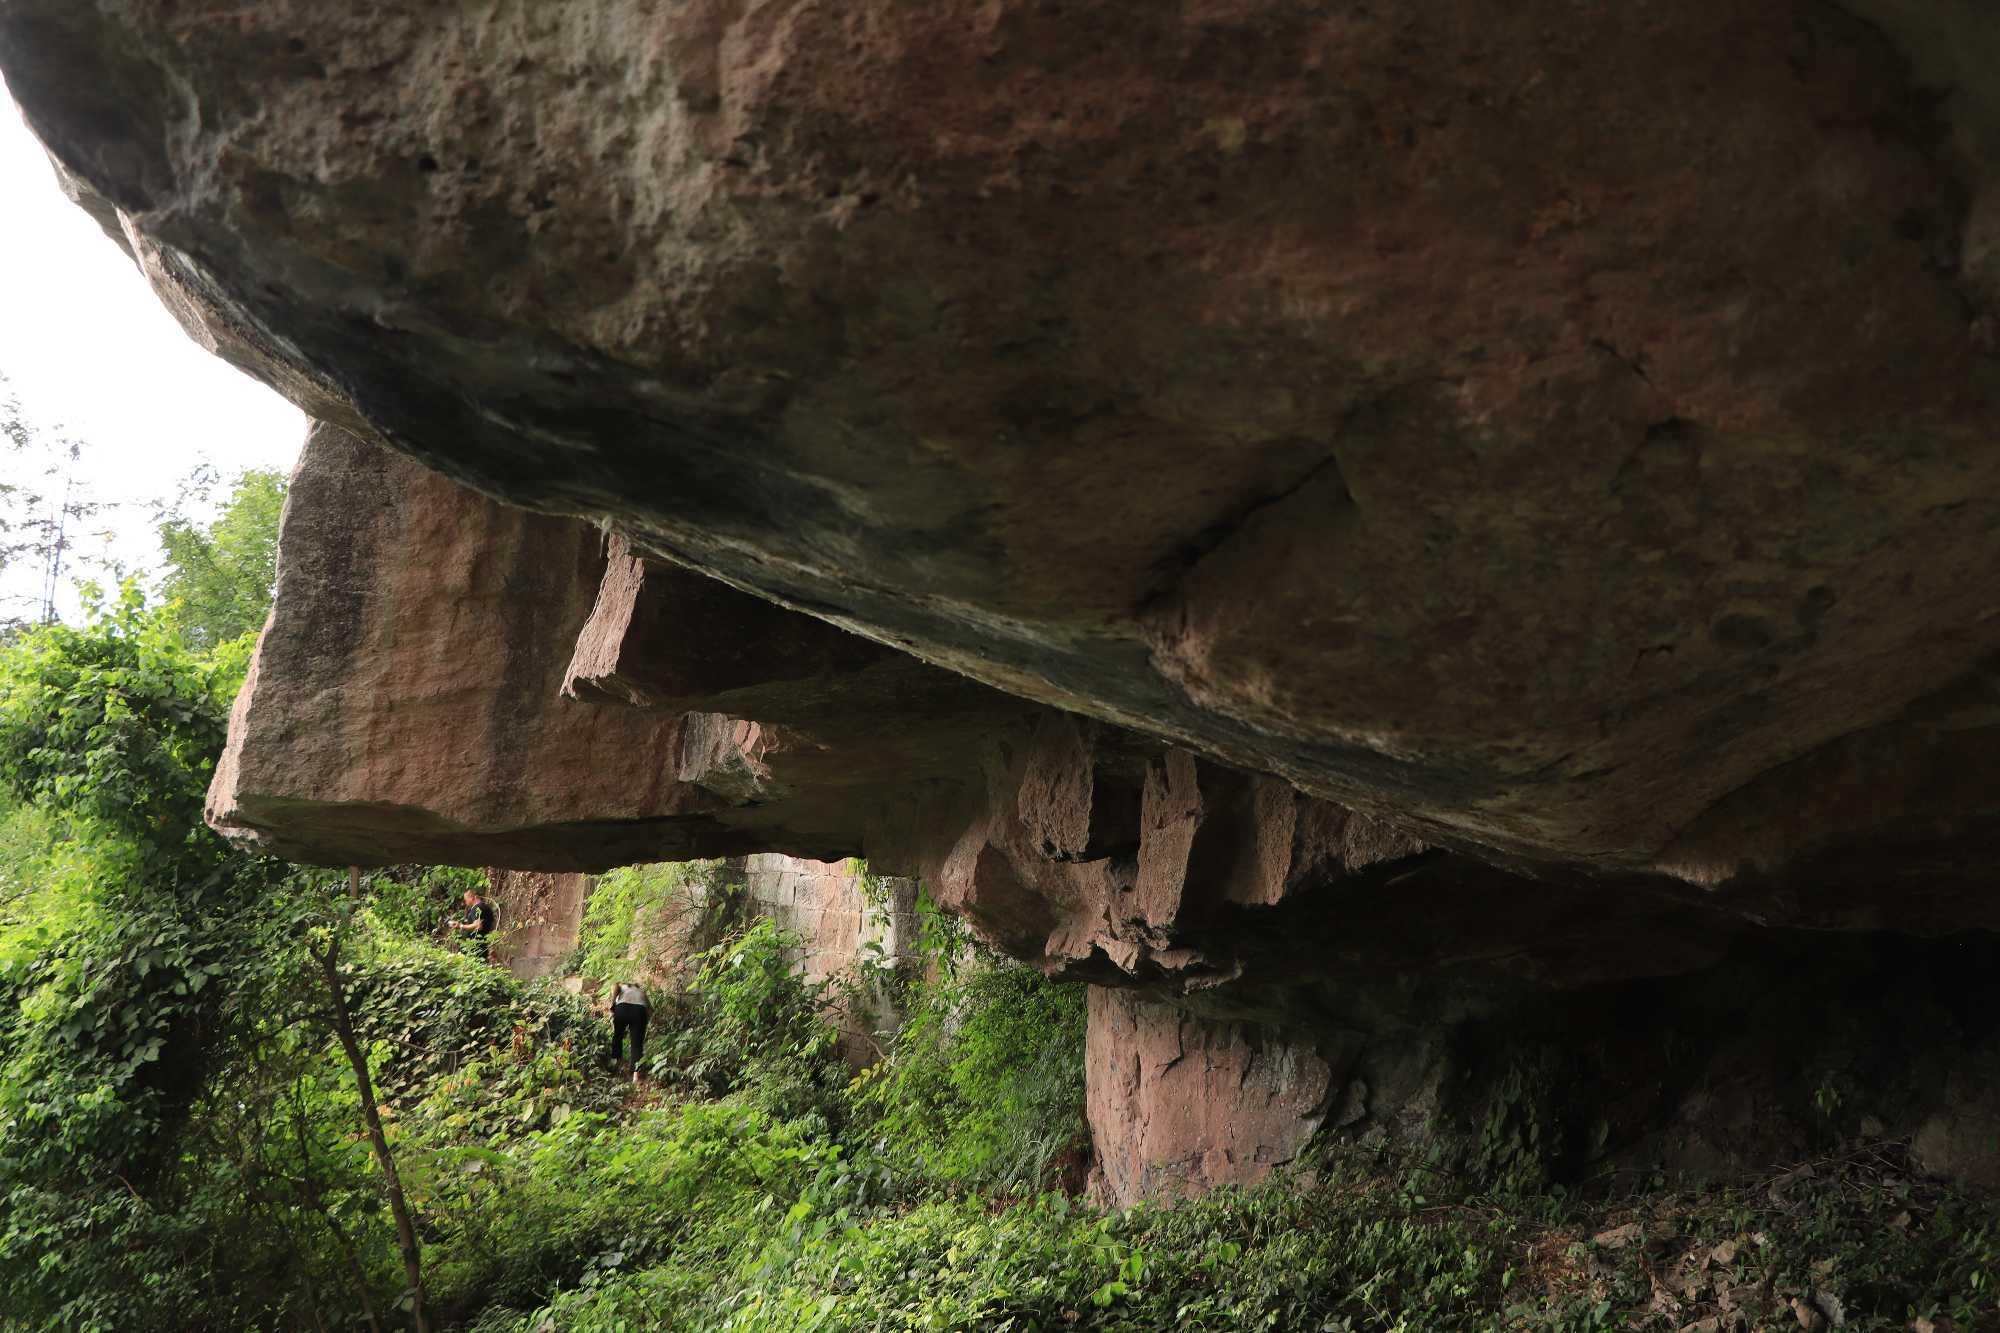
x=91, y=354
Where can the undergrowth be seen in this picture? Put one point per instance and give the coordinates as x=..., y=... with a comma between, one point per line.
x=984, y=1087
x=752, y=1181
x=766, y=1193
x=754, y=1184
x=639, y=919
x=1354, y=1247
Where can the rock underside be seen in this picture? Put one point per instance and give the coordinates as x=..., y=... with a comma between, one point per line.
x=1316, y=521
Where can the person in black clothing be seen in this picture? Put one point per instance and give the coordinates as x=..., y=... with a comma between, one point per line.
x=478, y=918
x=629, y=1012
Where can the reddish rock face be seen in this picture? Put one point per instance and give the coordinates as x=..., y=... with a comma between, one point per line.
x=408, y=702
x=1529, y=423
x=842, y=923
x=1240, y=495
x=404, y=706
x=540, y=916
x=1178, y=1105
x=664, y=638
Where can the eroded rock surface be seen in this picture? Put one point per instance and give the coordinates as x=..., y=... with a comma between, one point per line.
x=416, y=697
x=1178, y=1106
x=1358, y=523
x=540, y=918
x=406, y=701
x=1522, y=422
x=853, y=927
x=403, y=705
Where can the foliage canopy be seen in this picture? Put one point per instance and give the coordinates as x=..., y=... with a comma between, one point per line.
x=219, y=575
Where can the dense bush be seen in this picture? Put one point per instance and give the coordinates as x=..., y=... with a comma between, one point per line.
x=132, y=961
x=432, y=1012
x=141, y=963
x=640, y=918
x=748, y=1023
x=1358, y=1248
x=414, y=902
x=985, y=1084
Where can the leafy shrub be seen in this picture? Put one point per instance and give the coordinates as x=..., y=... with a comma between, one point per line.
x=1277, y=1257
x=638, y=915
x=750, y=1024
x=984, y=1084
x=414, y=902
x=133, y=947
x=432, y=1012
x=117, y=970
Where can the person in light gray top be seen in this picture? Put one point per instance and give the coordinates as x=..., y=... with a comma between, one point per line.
x=629, y=1012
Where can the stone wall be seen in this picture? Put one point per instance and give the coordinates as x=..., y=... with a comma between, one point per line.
x=827, y=904
x=841, y=915
x=843, y=920
x=541, y=915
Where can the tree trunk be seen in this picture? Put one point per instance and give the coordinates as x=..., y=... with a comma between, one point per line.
x=406, y=1232
x=356, y=1277
x=309, y=1195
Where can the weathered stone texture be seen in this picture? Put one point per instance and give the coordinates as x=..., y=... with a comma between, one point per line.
x=1241, y=497
x=1179, y=1105
x=665, y=638
x=540, y=917
x=406, y=701
x=846, y=926
x=404, y=705
x=827, y=904
x=1523, y=422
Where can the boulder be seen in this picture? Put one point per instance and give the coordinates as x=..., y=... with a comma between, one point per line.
x=1524, y=424
x=415, y=697
x=1367, y=535
x=403, y=705
x=1178, y=1106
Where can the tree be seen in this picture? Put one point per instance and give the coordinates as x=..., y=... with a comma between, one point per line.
x=220, y=575
x=327, y=956
x=169, y=1006
x=113, y=728
x=43, y=509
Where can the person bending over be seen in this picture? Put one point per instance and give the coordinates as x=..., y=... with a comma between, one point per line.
x=628, y=1014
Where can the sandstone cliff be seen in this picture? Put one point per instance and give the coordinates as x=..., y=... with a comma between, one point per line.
x=1250, y=502
x=1550, y=422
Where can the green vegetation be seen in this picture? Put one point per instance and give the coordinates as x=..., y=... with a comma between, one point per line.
x=198, y=1045
x=415, y=901
x=986, y=1087
x=130, y=958
x=219, y=575
x=649, y=912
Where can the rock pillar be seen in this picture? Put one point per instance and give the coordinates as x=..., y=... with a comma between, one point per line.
x=1179, y=1104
